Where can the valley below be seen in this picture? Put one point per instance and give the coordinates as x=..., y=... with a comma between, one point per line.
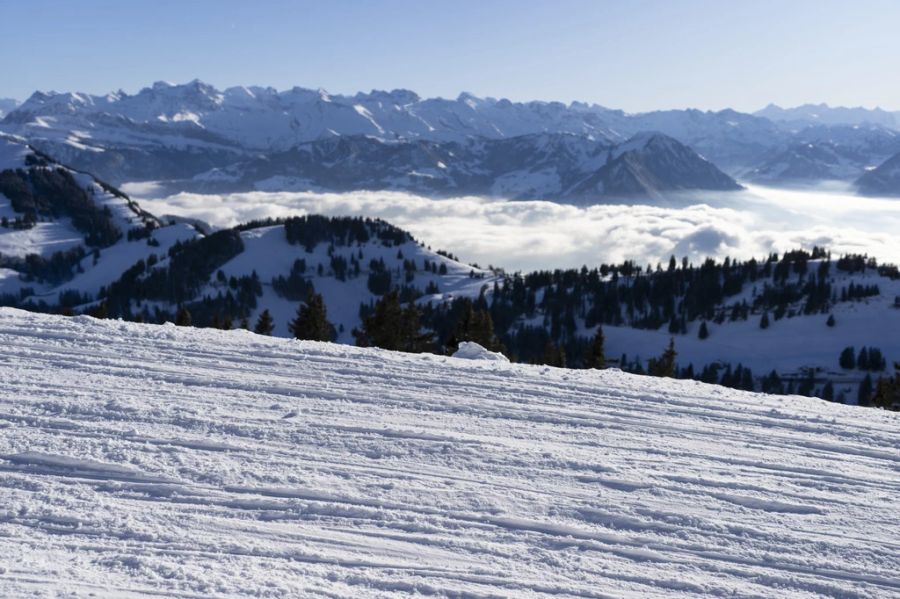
x=523, y=235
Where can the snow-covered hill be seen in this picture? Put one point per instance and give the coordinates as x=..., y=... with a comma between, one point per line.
x=64, y=230
x=103, y=247
x=140, y=460
x=268, y=254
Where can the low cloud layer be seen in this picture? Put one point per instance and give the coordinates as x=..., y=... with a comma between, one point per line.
x=532, y=235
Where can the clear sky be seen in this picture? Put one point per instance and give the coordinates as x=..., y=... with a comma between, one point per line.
x=630, y=54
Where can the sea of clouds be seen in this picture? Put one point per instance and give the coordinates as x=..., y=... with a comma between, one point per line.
x=529, y=235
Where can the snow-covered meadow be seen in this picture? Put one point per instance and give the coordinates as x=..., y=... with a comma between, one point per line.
x=142, y=461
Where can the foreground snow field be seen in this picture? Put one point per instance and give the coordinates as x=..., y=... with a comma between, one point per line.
x=141, y=460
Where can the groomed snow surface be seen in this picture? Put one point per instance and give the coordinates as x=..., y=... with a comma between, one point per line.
x=142, y=461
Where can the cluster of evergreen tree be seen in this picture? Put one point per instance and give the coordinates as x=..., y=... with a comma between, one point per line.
x=869, y=358
x=59, y=267
x=311, y=322
x=190, y=266
x=296, y=286
x=887, y=391
x=313, y=229
x=43, y=191
x=391, y=325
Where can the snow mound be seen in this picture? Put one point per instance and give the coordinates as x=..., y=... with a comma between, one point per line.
x=142, y=460
x=469, y=350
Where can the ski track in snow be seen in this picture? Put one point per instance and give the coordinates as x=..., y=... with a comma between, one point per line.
x=143, y=461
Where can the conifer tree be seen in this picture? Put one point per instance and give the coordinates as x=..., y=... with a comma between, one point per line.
x=807, y=384
x=597, y=355
x=413, y=338
x=183, y=317
x=764, y=321
x=704, y=331
x=664, y=366
x=475, y=324
x=830, y=322
x=828, y=391
x=887, y=391
x=862, y=360
x=771, y=383
x=847, y=360
x=99, y=311
x=382, y=328
x=554, y=355
x=390, y=326
x=312, y=322
x=864, y=395
x=264, y=324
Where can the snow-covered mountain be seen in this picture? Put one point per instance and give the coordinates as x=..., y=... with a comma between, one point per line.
x=264, y=119
x=884, y=180
x=823, y=114
x=168, y=132
x=176, y=132
x=163, y=461
x=558, y=166
x=835, y=152
x=649, y=164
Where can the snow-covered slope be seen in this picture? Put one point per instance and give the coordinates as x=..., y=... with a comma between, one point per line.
x=141, y=460
x=268, y=253
x=64, y=230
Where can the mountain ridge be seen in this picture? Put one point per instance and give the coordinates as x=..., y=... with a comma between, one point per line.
x=176, y=132
x=561, y=166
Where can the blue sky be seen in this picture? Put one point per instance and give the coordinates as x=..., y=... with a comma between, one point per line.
x=636, y=55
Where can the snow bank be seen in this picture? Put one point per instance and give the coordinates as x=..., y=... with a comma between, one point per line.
x=140, y=460
x=469, y=350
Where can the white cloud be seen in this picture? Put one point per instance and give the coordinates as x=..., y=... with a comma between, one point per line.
x=531, y=235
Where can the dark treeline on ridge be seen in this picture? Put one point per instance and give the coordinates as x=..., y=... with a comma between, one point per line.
x=545, y=317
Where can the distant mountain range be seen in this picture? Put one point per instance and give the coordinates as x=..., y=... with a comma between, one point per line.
x=823, y=114
x=194, y=136
x=543, y=165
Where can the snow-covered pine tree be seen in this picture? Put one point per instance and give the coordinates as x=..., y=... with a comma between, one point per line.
x=311, y=322
x=264, y=324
